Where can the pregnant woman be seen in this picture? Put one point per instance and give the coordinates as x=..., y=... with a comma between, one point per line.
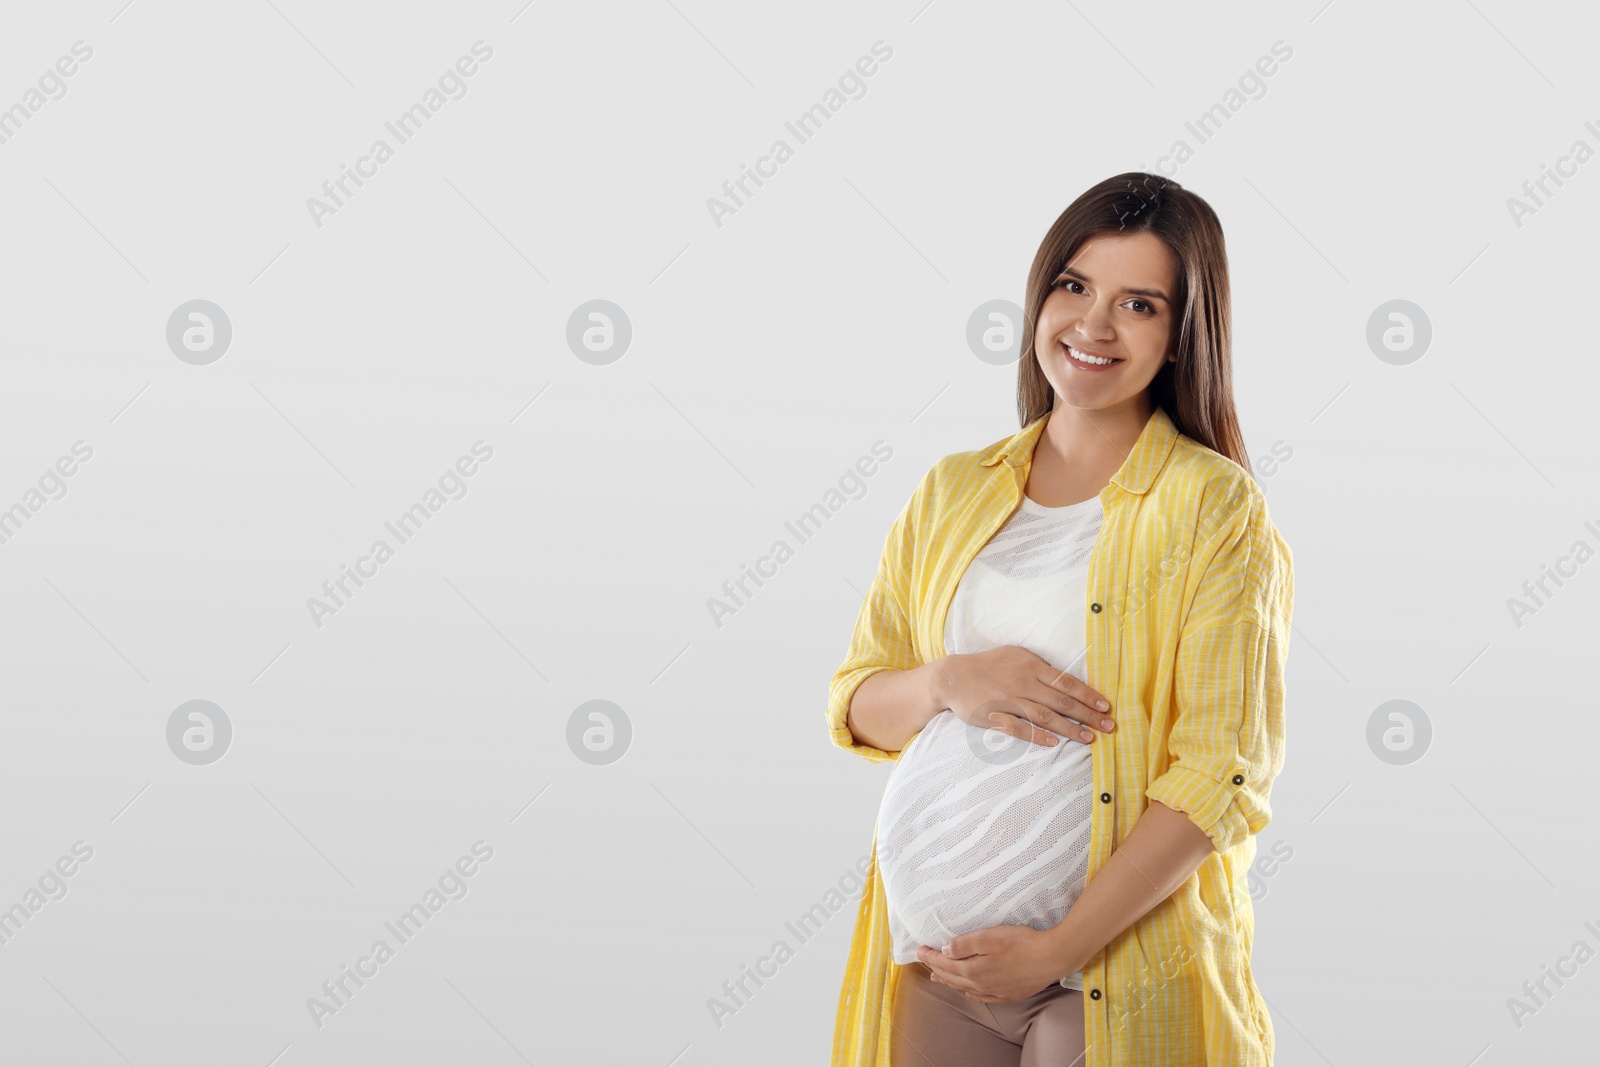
x=1074, y=650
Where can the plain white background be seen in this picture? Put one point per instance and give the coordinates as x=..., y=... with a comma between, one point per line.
x=768, y=354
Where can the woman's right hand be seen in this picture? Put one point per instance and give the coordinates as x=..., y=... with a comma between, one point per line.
x=1017, y=692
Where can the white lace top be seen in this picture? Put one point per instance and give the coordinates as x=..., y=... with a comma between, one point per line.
x=977, y=828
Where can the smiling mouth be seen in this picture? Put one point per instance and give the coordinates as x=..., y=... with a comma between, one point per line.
x=1088, y=359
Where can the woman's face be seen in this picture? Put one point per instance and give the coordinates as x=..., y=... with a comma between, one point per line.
x=1113, y=300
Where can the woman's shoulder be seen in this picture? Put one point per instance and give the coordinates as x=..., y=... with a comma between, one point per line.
x=1208, y=479
x=1220, y=500
x=956, y=474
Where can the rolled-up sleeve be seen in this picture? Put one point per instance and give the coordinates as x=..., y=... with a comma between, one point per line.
x=1226, y=739
x=883, y=636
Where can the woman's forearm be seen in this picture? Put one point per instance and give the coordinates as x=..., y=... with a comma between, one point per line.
x=890, y=707
x=1163, y=851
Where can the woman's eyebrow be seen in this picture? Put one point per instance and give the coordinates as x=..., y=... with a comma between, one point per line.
x=1156, y=294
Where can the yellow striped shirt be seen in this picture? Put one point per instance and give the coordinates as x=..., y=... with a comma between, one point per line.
x=1190, y=590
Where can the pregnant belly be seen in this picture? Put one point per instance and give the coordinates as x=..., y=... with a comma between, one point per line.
x=980, y=829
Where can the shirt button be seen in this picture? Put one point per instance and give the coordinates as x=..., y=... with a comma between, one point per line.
x=1105, y=798
x=1095, y=607
x=1238, y=779
x=1094, y=994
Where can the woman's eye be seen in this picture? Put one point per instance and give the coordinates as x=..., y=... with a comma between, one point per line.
x=1140, y=306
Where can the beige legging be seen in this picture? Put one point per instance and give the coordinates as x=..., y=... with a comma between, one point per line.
x=936, y=1026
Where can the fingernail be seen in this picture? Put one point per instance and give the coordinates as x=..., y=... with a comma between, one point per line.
x=1102, y=705
x=1105, y=724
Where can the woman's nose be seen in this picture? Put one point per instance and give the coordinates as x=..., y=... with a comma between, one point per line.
x=1095, y=323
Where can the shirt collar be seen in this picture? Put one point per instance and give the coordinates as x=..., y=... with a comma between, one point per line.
x=1138, y=469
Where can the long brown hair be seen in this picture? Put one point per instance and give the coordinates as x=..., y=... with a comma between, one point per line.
x=1197, y=390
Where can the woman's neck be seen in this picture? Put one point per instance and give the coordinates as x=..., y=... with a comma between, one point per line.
x=1080, y=449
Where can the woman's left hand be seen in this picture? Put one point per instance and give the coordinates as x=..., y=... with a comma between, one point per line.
x=1000, y=963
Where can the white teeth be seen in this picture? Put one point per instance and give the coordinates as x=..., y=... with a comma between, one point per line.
x=1085, y=357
